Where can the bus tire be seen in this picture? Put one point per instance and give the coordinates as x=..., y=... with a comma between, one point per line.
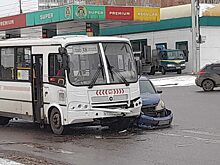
x=179, y=71
x=4, y=120
x=55, y=122
x=163, y=71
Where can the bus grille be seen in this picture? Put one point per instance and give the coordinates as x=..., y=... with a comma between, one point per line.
x=104, y=99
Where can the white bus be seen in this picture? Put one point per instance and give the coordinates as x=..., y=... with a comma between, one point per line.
x=69, y=80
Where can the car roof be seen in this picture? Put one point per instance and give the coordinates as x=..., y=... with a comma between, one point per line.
x=144, y=78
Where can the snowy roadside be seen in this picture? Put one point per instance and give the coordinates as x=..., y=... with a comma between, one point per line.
x=8, y=162
x=186, y=80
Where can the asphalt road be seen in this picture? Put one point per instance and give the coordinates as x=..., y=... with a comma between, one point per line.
x=194, y=138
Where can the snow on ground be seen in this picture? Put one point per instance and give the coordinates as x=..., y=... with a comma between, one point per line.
x=8, y=162
x=186, y=80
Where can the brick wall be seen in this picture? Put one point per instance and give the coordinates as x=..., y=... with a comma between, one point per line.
x=167, y=3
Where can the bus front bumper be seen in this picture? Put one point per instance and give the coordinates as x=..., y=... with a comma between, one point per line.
x=93, y=114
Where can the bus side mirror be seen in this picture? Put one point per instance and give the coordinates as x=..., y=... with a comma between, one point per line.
x=63, y=53
x=159, y=92
x=65, y=61
x=62, y=50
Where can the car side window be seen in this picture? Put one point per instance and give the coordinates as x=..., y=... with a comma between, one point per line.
x=216, y=68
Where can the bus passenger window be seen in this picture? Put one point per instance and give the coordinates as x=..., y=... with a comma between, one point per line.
x=23, y=63
x=7, y=64
x=56, y=70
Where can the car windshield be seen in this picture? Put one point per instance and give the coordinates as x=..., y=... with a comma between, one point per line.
x=120, y=62
x=86, y=64
x=146, y=87
x=172, y=55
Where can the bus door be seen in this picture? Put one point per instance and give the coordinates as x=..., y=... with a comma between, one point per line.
x=37, y=87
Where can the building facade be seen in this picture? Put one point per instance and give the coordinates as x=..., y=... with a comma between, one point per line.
x=45, y=4
x=168, y=3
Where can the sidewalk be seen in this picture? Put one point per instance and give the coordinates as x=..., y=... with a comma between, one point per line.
x=182, y=80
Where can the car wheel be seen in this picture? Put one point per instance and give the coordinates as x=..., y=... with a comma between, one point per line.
x=4, y=120
x=163, y=71
x=152, y=70
x=208, y=85
x=55, y=122
x=179, y=71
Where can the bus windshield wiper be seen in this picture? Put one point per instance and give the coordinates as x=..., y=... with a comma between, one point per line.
x=112, y=70
x=119, y=75
x=96, y=75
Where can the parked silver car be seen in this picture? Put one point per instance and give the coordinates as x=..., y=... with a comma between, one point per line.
x=209, y=77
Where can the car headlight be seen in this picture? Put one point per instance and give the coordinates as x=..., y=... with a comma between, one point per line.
x=160, y=105
x=171, y=65
x=183, y=64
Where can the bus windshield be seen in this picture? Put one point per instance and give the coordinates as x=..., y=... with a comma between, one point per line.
x=172, y=55
x=120, y=62
x=86, y=64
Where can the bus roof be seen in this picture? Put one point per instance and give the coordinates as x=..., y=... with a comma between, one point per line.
x=57, y=40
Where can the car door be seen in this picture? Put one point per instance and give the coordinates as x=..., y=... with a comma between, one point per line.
x=216, y=71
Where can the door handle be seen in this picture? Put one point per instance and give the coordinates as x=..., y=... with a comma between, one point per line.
x=46, y=94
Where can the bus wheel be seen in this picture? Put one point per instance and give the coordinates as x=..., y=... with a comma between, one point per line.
x=4, y=120
x=179, y=71
x=55, y=122
x=163, y=71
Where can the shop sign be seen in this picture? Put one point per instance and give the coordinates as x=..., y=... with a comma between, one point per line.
x=146, y=14
x=13, y=22
x=119, y=13
x=89, y=12
x=49, y=16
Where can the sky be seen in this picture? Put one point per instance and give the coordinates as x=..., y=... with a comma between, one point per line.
x=11, y=7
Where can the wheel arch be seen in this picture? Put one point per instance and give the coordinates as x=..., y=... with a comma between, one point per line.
x=49, y=110
x=210, y=80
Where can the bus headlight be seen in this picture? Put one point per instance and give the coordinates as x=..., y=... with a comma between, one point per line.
x=183, y=64
x=171, y=65
x=160, y=105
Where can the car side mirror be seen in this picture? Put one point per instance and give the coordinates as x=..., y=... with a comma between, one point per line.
x=159, y=92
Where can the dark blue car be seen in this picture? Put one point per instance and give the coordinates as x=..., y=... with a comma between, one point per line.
x=153, y=112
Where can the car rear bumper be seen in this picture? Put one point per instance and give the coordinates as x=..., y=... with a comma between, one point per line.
x=155, y=122
x=175, y=68
x=198, y=81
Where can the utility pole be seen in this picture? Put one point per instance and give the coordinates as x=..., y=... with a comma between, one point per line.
x=20, y=6
x=196, y=37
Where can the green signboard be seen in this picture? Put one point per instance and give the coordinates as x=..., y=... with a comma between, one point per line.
x=49, y=16
x=89, y=12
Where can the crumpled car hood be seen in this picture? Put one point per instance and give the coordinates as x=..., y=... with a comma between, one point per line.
x=150, y=99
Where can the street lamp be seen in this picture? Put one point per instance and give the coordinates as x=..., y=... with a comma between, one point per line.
x=196, y=37
x=20, y=6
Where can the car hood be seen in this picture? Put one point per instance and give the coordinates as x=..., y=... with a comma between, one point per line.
x=150, y=99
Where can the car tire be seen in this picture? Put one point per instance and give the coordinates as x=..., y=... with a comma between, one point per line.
x=208, y=85
x=4, y=120
x=179, y=71
x=152, y=70
x=163, y=71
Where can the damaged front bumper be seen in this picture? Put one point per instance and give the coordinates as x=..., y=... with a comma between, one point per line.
x=149, y=122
